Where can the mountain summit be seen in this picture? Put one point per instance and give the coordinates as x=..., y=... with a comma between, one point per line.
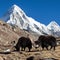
x=16, y=16
x=53, y=25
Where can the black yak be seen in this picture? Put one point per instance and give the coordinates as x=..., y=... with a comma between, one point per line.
x=23, y=42
x=46, y=41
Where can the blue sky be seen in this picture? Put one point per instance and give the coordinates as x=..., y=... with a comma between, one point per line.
x=44, y=11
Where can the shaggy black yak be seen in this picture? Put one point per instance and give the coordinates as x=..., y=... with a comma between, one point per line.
x=23, y=42
x=46, y=41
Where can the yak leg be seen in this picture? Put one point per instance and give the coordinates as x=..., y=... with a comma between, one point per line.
x=21, y=48
x=42, y=47
x=50, y=47
x=47, y=47
x=24, y=48
x=17, y=48
x=29, y=49
x=54, y=47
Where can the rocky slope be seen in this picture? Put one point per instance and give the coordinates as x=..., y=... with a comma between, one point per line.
x=11, y=33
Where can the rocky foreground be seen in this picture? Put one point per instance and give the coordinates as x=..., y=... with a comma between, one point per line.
x=35, y=54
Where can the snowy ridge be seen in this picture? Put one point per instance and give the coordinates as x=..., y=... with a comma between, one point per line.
x=16, y=16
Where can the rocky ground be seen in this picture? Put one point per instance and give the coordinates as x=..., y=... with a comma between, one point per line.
x=13, y=33
x=35, y=54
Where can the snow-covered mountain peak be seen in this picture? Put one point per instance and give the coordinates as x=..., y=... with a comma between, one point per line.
x=16, y=9
x=14, y=5
x=53, y=26
x=16, y=16
x=53, y=23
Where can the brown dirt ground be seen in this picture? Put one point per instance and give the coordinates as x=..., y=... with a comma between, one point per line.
x=36, y=53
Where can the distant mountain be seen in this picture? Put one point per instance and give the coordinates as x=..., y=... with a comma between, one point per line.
x=54, y=28
x=16, y=16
